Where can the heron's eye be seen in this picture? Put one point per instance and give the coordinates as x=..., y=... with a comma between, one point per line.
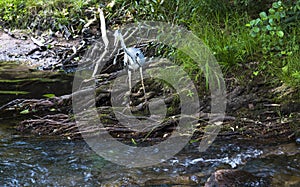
x=137, y=54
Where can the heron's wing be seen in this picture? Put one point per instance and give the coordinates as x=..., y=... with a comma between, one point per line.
x=125, y=60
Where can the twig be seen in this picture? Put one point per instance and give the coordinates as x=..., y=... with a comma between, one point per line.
x=104, y=38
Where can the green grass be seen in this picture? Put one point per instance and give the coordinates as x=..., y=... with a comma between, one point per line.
x=5, y=92
x=228, y=38
x=291, y=71
x=44, y=14
x=220, y=24
x=28, y=80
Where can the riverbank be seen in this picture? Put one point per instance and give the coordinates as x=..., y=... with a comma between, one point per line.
x=257, y=110
x=267, y=115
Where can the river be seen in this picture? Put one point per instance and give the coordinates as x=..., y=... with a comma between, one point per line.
x=27, y=160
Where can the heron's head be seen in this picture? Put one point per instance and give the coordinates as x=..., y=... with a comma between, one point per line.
x=136, y=55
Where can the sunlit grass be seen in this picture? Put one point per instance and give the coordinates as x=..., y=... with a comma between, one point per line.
x=6, y=92
x=228, y=38
x=44, y=14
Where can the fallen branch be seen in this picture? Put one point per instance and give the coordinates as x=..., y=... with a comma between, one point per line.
x=105, y=40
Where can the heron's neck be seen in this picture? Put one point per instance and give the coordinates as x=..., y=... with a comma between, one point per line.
x=122, y=41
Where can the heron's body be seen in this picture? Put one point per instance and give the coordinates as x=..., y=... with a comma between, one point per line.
x=133, y=59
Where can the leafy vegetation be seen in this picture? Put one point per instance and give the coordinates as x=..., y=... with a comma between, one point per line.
x=43, y=14
x=278, y=36
x=238, y=32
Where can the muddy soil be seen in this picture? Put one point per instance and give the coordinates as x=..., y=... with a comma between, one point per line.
x=44, y=51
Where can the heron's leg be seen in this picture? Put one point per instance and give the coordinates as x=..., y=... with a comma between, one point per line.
x=129, y=81
x=126, y=60
x=128, y=70
x=142, y=81
x=127, y=93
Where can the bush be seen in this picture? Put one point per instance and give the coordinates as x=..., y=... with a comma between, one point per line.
x=278, y=34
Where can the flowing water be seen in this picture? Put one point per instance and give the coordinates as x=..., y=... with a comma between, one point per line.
x=37, y=161
x=27, y=160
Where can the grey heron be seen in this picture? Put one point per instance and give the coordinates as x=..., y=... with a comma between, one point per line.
x=133, y=59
